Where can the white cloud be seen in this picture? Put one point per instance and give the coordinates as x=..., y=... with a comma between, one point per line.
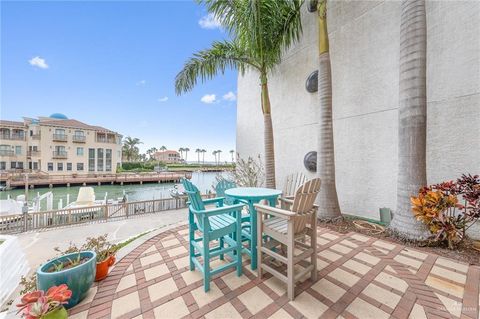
x=209, y=22
x=208, y=98
x=38, y=62
x=230, y=96
x=163, y=99
x=141, y=82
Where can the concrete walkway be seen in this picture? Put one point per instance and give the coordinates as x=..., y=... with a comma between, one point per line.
x=358, y=277
x=38, y=246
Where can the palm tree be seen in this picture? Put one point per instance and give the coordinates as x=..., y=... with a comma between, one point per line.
x=214, y=153
x=151, y=152
x=232, y=152
x=130, y=148
x=219, y=153
x=186, y=149
x=198, y=151
x=181, y=149
x=412, y=117
x=163, y=148
x=329, y=207
x=203, y=155
x=260, y=32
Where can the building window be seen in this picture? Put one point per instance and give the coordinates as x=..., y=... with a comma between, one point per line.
x=18, y=150
x=108, y=160
x=35, y=165
x=79, y=133
x=13, y=165
x=100, y=159
x=69, y=166
x=79, y=166
x=59, y=131
x=59, y=166
x=79, y=151
x=50, y=166
x=91, y=159
x=3, y=166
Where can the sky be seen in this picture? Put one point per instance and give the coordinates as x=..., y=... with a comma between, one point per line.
x=113, y=64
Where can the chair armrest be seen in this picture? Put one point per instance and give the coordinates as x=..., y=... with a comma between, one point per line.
x=219, y=210
x=213, y=200
x=286, y=200
x=282, y=213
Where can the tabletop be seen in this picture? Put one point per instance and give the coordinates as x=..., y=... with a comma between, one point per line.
x=252, y=192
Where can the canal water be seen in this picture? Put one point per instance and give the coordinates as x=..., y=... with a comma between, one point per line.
x=135, y=192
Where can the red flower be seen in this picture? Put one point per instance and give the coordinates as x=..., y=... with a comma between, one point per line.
x=59, y=293
x=30, y=297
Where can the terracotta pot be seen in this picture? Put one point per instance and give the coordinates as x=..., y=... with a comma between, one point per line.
x=102, y=268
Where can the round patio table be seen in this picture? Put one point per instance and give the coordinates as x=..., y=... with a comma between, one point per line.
x=250, y=196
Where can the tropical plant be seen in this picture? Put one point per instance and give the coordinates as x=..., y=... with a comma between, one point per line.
x=99, y=245
x=214, y=153
x=203, y=156
x=248, y=172
x=260, y=32
x=163, y=148
x=181, y=150
x=38, y=304
x=151, y=152
x=438, y=207
x=412, y=118
x=186, y=149
x=232, y=152
x=219, y=152
x=130, y=148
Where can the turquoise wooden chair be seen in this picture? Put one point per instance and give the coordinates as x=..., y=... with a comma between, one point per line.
x=220, y=189
x=222, y=224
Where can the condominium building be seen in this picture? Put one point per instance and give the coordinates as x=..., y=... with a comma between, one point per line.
x=58, y=145
x=169, y=157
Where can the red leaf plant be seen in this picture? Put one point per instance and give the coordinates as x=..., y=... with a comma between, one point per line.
x=36, y=304
x=439, y=207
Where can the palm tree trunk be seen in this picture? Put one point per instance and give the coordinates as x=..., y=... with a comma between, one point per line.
x=328, y=206
x=268, y=135
x=412, y=118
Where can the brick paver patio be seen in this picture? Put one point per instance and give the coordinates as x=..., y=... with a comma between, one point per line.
x=359, y=277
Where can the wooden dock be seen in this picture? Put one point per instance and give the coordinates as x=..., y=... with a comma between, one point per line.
x=14, y=180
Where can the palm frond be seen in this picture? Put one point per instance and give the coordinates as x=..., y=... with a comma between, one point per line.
x=208, y=63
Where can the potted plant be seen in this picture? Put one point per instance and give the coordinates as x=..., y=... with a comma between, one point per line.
x=38, y=305
x=77, y=270
x=105, y=254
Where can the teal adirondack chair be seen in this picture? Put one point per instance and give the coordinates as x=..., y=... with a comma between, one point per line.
x=222, y=224
x=221, y=187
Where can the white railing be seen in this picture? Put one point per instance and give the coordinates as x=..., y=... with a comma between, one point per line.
x=63, y=217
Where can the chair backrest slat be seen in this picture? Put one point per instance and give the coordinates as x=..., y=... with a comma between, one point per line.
x=195, y=199
x=292, y=183
x=305, y=196
x=222, y=186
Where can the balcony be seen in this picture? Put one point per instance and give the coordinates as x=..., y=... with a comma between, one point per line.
x=59, y=154
x=12, y=137
x=33, y=153
x=60, y=137
x=35, y=136
x=105, y=140
x=78, y=138
x=7, y=153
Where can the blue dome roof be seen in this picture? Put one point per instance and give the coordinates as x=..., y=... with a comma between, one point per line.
x=59, y=116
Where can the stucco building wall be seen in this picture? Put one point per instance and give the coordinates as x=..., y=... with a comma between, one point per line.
x=364, y=48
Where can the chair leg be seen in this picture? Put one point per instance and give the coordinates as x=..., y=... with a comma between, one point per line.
x=191, y=238
x=206, y=263
x=259, y=245
x=290, y=268
x=238, y=238
x=221, y=247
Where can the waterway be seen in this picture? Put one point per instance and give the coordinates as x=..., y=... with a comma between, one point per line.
x=135, y=192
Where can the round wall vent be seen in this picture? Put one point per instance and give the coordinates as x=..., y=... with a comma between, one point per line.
x=311, y=85
x=312, y=5
x=310, y=161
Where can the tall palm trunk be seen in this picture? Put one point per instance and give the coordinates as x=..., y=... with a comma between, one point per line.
x=412, y=117
x=327, y=200
x=268, y=135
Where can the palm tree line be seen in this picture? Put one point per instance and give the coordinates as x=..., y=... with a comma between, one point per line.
x=131, y=152
x=260, y=31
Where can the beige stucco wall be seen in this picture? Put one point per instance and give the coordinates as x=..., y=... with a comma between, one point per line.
x=364, y=45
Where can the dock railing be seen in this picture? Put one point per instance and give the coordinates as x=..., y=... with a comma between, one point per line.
x=18, y=223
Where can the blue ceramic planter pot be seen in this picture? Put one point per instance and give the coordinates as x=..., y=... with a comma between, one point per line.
x=79, y=279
